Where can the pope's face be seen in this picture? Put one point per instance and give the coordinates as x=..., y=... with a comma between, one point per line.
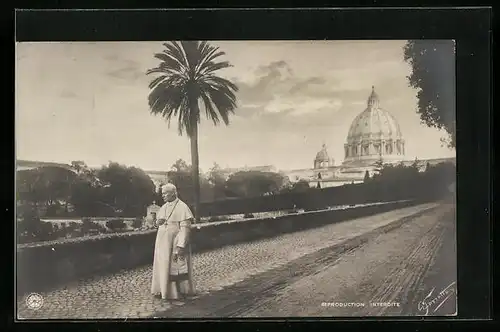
x=169, y=195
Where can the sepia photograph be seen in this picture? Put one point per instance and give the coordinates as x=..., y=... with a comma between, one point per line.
x=235, y=179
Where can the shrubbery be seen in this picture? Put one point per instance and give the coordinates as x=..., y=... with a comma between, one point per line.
x=31, y=229
x=91, y=228
x=218, y=218
x=392, y=183
x=137, y=223
x=116, y=225
x=112, y=190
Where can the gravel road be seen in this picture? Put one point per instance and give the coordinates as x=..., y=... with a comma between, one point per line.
x=385, y=272
x=218, y=273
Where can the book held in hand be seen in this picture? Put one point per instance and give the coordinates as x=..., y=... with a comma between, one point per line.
x=178, y=269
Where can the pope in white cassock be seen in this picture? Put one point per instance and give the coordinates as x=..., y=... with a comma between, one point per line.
x=172, y=266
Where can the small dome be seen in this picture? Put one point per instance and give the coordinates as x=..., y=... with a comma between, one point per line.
x=322, y=155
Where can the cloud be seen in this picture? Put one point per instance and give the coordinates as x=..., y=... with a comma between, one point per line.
x=128, y=70
x=249, y=105
x=274, y=88
x=302, y=105
x=274, y=72
x=292, y=98
x=112, y=57
x=277, y=95
x=69, y=94
x=318, y=106
x=303, y=85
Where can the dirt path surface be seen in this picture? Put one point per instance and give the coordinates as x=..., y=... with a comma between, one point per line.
x=387, y=271
x=126, y=295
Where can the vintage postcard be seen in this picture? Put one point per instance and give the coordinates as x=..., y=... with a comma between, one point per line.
x=221, y=179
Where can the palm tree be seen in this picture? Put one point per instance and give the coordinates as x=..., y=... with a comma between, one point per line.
x=186, y=77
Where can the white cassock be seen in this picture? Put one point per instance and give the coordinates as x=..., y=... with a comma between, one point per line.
x=175, y=232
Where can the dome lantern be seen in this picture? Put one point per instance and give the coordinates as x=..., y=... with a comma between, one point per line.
x=373, y=101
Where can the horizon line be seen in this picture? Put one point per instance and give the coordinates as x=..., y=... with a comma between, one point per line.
x=222, y=168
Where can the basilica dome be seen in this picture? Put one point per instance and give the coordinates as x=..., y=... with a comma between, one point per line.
x=374, y=135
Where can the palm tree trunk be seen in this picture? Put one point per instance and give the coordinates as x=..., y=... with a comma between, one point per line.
x=196, y=167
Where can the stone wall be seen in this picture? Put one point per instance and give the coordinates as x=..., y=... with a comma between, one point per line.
x=41, y=266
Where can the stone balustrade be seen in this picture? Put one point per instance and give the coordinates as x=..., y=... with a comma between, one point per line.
x=41, y=266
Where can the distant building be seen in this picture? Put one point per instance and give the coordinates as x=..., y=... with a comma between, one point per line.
x=226, y=172
x=158, y=177
x=322, y=159
x=373, y=137
x=30, y=164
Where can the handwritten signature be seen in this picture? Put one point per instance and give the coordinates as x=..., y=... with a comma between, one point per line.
x=427, y=303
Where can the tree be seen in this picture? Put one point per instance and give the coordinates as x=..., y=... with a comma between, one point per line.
x=79, y=165
x=186, y=78
x=399, y=175
x=379, y=164
x=367, y=176
x=181, y=166
x=415, y=164
x=433, y=74
x=255, y=183
x=86, y=173
x=300, y=186
x=85, y=197
x=215, y=174
x=442, y=173
x=49, y=185
x=88, y=191
x=158, y=197
x=217, y=180
x=129, y=190
x=182, y=177
x=401, y=180
x=30, y=228
x=26, y=182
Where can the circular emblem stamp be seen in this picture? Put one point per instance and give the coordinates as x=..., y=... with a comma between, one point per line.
x=34, y=301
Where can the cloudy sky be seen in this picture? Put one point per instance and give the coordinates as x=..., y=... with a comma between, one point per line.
x=88, y=101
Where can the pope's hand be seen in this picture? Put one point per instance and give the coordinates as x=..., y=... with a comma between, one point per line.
x=160, y=222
